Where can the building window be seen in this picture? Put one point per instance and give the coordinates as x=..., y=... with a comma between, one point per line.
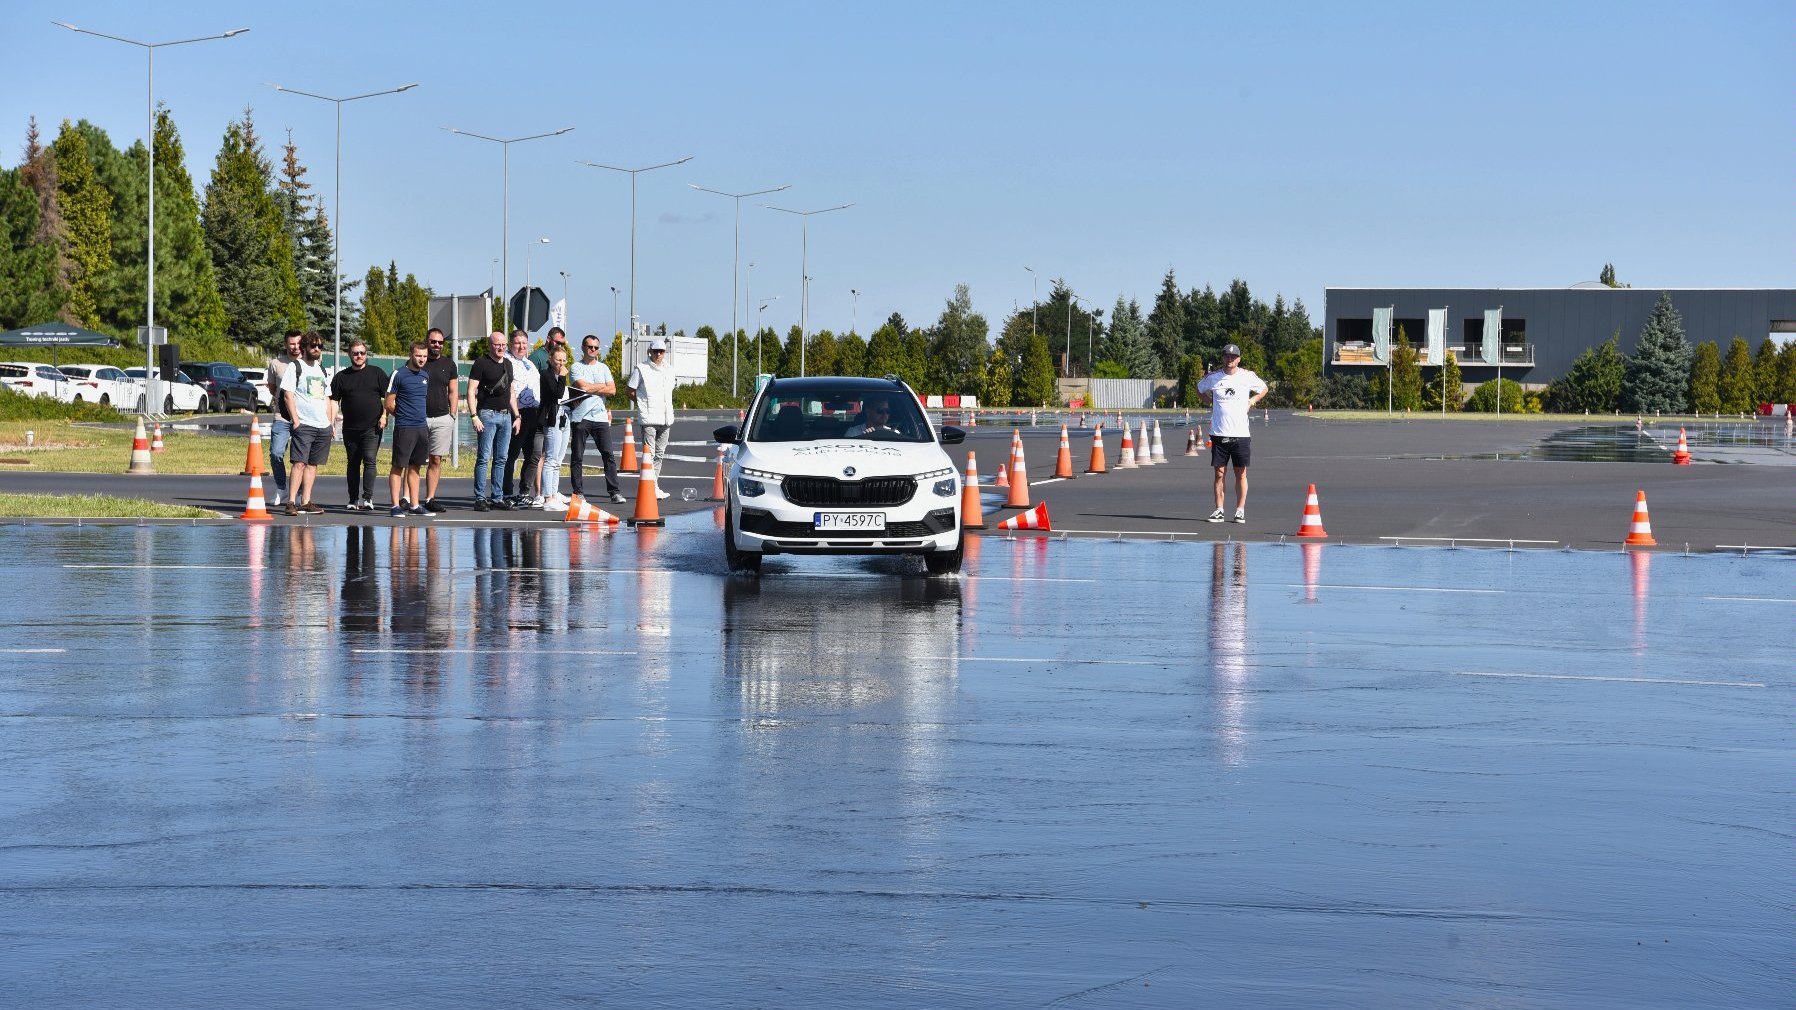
x=1357, y=332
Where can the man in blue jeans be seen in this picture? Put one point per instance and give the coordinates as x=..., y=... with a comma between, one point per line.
x=493, y=400
x=281, y=431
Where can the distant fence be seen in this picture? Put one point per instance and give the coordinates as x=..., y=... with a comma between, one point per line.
x=1122, y=394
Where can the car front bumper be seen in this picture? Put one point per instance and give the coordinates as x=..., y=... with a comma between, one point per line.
x=780, y=527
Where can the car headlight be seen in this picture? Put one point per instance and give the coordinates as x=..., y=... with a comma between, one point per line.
x=945, y=487
x=763, y=474
x=748, y=487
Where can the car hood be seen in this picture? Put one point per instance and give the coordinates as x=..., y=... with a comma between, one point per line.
x=829, y=458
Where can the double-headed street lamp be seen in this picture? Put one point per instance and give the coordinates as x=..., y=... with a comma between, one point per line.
x=804, y=274
x=505, y=232
x=151, y=402
x=337, y=202
x=630, y=341
x=735, y=268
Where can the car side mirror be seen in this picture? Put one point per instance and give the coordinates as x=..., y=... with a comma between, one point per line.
x=727, y=435
x=952, y=435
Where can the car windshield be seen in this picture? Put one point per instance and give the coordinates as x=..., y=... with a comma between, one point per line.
x=822, y=413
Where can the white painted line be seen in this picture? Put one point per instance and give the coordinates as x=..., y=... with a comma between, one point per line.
x=1022, y=578
x=1609, y=680
x=546, y=519
x=162, y=568
x=1056, y=660
x=1050, y=480
x=1397, y=589
x=22, y=652
x=490, y=652
x=1749, y=599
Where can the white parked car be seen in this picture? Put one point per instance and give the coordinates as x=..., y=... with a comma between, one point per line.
x=259, y=378
x=182, y=394
x=830, y=465
x=105, y=385
x=34, y=378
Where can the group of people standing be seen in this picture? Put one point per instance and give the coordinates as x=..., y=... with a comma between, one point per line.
x=528, y=410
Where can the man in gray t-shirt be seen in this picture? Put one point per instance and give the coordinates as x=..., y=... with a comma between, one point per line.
x=591, y=381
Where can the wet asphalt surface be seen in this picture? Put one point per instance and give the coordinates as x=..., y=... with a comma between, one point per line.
x=446, y=767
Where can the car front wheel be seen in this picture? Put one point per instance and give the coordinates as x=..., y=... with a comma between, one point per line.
x=738, y=560
x=947, y=562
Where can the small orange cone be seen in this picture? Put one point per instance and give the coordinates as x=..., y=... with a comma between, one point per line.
x=1034, y=519
x=156, y=439
x=718, y=489
x=1097, y=450
x=1312, y=518
x=1019, y=475
x=1126, y=459
x=1682, y=456
x=1640, y=534
x=1191, y=443
x=141, y=463
x=972, y=517
x=1063, y=464
x=1003, y=480
x=579, y=510
x=648, y=510
x=256, y=506
x=626, y=463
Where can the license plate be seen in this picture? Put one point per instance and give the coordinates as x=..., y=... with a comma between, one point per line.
x=849, y=521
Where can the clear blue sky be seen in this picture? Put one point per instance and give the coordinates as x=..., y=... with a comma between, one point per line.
x=1295, y=145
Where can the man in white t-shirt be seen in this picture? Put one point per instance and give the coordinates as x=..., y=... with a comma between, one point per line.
x=652, y=386
x=1232, y=391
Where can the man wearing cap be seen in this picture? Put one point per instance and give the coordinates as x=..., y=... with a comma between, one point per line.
x=651, y=386
x=1232, y=391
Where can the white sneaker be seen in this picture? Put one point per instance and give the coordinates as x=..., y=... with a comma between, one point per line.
x=1240, y=515
x=550, y=506
x=1215, y=517
x=275, y=499
x=662, y=494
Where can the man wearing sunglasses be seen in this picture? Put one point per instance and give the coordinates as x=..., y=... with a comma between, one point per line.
x=360, y=394
x=441, y=406
x=878, y=420
x=589, y=382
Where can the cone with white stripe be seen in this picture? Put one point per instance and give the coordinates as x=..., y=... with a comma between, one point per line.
x=1144, y=454
x=626, y=461
x=1019, y=474
x=1682, y=456
x=1312, y=518
x=972, y=516
x=1640, y=534
x=256, y=506
x=648, y=509
x=1063, y=463
x=1097, y=450
x=141, y=463
x=1159, y=450
x=1191, y=442
x=1034, y=519
x=156, y=438
x=579, y=510
x=1125, y=459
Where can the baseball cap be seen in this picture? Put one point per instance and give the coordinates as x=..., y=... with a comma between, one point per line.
x=657, y=345
x=1231, y=351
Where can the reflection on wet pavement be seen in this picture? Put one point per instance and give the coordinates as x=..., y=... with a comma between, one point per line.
x=430, y=767
x=1760, y=442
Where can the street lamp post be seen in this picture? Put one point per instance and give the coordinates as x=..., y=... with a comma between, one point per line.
x=630, y=341
x=759, y=325
x=614, y=311
x=1035, y=305
x=1069, y=322
x=528, y=248
x=505, y=232
x=735, y=270
x=804, y=276
x=337, y=203
x=854, y=312
x=1066, y=370
x=564, y=277
x=150, y=388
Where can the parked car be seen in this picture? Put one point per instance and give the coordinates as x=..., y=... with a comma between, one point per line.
x=834, y=465
x=104, y=385
x=225, y=386
x=34, y=378
x=181, y=393
x=258, y=377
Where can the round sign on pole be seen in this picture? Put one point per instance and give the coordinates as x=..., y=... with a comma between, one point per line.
x=539, y=309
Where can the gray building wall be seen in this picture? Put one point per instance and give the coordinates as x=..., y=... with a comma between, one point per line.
x=1563, y=322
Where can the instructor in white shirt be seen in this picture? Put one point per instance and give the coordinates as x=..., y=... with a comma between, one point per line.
x=1232, y=391
x=652, y=386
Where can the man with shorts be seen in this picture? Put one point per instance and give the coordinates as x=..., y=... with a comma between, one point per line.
x=1232, y=391
x=444, y=406
x=359, y=392
x=281, y=431
x=408, y=400
x=307, y=393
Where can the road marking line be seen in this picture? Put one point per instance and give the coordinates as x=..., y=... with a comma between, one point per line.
x=168, y=568
x=491, y=652
x=1398, y=589
x=1749, y=599
x=17, y=652
x=1050, y=480
x=1610, y=680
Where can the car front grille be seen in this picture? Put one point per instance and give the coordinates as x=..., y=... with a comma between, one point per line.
x=763, y=524
x=829, y=492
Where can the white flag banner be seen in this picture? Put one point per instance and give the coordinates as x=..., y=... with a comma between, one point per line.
x=1493, y=335
x=1381, y=333
x=558, y=314
x=1437, y=336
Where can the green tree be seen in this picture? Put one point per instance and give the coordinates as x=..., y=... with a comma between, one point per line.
x=998, y=381
x=766, y=355
x=1593, y=383
x=1657, y=377
x=411, y=311
x=252, y=256
x=851, y=354
x=1786, y=375
x=187, y=300
x=1109, y=370
x=958, y=346
x=885, y=352
x=1204, y=333
x=1033, y=384
x=916, y=370
x=1739, y=382
x=1126, y=341
x=1705, y=379
x=308, y=231
x=791, y=359
x=1484, y=399
x=614, y=358
x=1242, y=314
x=29, y=292
x=1253, y=356
x=1300, y=375
x=820, y=354
x=1764, y=373
x=1607, y=276
x=86, y=223
x=1166, y=325
x=1191, y=372
x=380, y=320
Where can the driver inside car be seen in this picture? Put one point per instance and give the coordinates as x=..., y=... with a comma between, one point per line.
x=876, y=420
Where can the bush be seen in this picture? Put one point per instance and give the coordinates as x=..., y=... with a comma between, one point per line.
x=16, y=406
x=1346, y=392
x=707, y=397
x=1484, y=398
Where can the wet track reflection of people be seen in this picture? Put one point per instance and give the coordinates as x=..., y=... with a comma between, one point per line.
x=1230, y=668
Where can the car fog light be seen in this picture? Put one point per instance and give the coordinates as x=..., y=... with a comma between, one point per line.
x=945, y=487
x=750, y=488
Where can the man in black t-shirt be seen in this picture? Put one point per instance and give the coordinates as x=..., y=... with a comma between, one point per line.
x=442, y=405
x=360, y=392
x=493, y=400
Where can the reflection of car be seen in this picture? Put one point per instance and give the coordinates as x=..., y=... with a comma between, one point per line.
x=258, y=377
x=36, y=379
x=103, y=384
x=841, y=466
x=180, y=394
x=225, y=387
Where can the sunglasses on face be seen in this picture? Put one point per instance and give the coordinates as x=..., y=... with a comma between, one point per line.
x=358, y=354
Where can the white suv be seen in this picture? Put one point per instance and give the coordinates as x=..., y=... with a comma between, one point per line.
x=829, y=465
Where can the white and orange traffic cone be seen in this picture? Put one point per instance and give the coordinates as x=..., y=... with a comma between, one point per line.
x=579, y=510
x=1063, y=463
x=1003, y=480
x=141, y=463
x=1125, y=459
x=1034, y=519
x=719, y=489
x=648, y=509
x=626, y=461
x=1144, y=453
x=972, y=516
x=1191, y=442
x=1019, y=476
x=1640, y=534
x=1096, y=464
x=156, y=438
x=255, y=506
x=1312, y=518
x=1158, y=453
x=1682, y=456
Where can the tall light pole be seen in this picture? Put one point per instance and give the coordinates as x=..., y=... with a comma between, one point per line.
x=759, y=325
x=1034, y=307
x=564, y=277
x=614, y=311
x=630, y=341
x=505, y=232
x=735, y=268
x=804, y=274
x=1071, y=298
x=150, y=388
x=528, y=248
x=337, y=202
x=748, y=290
x=854, y=313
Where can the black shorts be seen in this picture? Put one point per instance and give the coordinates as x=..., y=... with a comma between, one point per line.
x=411, y=448
x=1224, y=451
x=311, y=446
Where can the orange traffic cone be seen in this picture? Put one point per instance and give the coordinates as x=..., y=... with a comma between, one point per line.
x=1312, y=518
x=140, y=452
x=1640, y=534
x=718, y=490
x=626, y=463
x=1191, y=442
x=1034, y=519
x=648, y=510
x=1097, y=450
x=1125, y=460
x=255, y=506
x=1063, y=464
x=1003, y=480
x=156, y=439
x=1019, y=476
x=579, y=510
x=1682, y=456
x=972, y=516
